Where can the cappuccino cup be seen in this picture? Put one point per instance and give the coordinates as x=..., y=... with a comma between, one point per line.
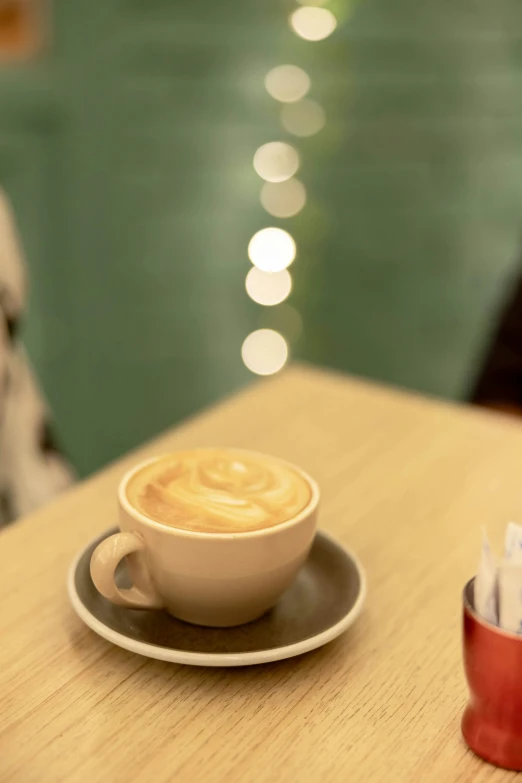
x=212, y=536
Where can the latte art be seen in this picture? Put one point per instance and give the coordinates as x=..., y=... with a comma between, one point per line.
x=219, y=490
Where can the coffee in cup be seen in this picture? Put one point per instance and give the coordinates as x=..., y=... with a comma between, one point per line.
x=218, y=491
x=214, y=536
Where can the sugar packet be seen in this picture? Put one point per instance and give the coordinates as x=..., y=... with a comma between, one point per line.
x=510, y=581
x=486, y=584
x=513, y=543
x=498, y=587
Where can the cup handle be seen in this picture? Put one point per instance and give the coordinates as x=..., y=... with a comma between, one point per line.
x=105, y=560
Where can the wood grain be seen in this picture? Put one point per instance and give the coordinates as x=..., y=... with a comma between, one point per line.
x=407, y=483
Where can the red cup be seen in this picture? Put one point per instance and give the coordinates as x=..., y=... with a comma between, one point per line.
x=492, y=721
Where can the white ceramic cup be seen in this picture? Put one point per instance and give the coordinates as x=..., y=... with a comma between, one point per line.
x=214, y=579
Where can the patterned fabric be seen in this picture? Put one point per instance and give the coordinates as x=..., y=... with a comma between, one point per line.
x=32, y=470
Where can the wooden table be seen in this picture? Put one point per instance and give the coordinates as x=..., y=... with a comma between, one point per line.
x=407, y=483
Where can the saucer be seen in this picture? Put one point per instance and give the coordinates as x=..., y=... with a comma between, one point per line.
x=325, y=599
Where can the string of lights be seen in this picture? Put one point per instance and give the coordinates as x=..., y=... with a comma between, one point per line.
x=272, y=249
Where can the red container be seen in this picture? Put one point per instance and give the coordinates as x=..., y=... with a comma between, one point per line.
x=492, y=721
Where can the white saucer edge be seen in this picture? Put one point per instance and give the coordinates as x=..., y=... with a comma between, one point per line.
x=220, y=659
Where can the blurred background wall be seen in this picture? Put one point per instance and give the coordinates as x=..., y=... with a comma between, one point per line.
x=127, y=148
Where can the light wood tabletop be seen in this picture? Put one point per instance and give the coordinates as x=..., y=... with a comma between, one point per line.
x=407, y=484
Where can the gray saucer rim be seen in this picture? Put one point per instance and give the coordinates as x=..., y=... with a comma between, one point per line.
x=219, y=659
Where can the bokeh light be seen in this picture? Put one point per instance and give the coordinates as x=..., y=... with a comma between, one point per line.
x=283, y=199
x=276, y=161
x=264, y=351
x=303, y=118
x=287, y=83
x=313, y=24
x=271, y=249
x=268, y=288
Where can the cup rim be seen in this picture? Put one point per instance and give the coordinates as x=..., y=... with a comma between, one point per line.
x=179, y=531
x=469, y=609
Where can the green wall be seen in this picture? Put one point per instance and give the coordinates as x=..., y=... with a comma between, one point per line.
x=127, y=153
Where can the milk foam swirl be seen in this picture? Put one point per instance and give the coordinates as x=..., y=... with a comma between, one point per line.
x=218, y=490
